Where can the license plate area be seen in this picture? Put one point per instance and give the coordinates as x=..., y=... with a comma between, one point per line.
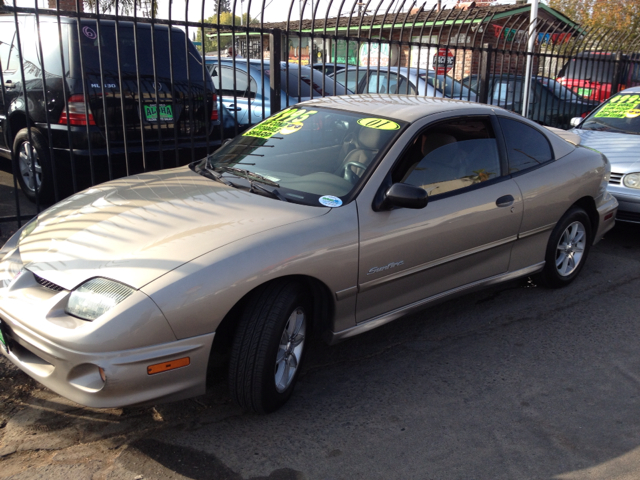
x=158, y=113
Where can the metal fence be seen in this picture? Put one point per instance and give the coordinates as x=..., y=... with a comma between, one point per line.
x=89, y=96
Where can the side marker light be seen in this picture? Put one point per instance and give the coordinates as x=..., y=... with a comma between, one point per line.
x=166, y=366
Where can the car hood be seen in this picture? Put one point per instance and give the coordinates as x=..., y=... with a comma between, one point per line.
x=620, y=148
x=136, y=229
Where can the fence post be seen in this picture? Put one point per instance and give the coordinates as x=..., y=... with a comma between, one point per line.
x=275, y=52
x=617, y=74
x=485, y=67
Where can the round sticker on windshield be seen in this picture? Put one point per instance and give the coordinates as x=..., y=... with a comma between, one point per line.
x=291, y=128
x=89, y=33
x=378, y=124
x=330, y=201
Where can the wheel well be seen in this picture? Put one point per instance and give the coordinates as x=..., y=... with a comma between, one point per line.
x=589, y=206
x=17, y=122
x=323, y=311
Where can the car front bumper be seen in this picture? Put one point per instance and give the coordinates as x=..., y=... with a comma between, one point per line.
x=606, y=216
x=628, y=201
x=73, y=370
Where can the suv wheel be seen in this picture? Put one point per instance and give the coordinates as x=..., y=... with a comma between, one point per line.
x=33, y=165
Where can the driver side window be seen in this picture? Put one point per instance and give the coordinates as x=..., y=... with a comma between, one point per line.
x=451, y=156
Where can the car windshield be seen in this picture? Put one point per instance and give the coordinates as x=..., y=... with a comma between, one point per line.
x=621, y=113
x=310, y=156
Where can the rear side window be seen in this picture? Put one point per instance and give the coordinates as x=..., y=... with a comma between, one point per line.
x=7, y=30
x=526, y=147
x=127, y=45
x=225, y=84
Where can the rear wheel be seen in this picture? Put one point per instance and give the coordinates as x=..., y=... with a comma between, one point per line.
x=269, y=345
x=567, y=249
x=33, y=165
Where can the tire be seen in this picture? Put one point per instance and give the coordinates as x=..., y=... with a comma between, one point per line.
x=567, y=249
x=268, y=346
x=42, y=181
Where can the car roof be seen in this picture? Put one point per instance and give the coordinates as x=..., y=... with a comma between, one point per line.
x=408, y=108
x=631, y=90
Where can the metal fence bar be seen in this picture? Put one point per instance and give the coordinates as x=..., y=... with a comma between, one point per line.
x=488, y=62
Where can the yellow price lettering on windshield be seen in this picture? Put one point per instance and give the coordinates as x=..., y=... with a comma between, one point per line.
x=285, y=122
x=378, y=124
x=619, y=110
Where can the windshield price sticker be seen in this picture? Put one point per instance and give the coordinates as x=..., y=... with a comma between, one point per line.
x=286, y=122
x=378, y=124
x=330, y=201
x=622, y=106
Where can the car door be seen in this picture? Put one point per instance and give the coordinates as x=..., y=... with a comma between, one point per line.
x=9, y=64
x=464, y=234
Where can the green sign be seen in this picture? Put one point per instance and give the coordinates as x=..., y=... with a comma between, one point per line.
x=151, y=113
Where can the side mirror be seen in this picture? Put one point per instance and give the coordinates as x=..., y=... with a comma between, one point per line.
x=407, y=196
x=576, y=121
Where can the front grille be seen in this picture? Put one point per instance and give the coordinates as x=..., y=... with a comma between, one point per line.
x=48, y=284
x=615, y=178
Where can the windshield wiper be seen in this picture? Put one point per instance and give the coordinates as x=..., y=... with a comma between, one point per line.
x=252, y=178
x=248, y=175
x=273, y=193
x=213, y=175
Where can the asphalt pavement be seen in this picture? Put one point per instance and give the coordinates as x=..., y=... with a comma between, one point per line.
x=515, y=382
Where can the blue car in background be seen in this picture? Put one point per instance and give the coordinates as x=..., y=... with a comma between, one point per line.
x=244, y=86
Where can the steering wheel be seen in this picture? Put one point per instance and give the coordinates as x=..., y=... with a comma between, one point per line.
x=349, y=174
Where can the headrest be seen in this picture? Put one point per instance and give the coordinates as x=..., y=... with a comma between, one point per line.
x=369, y=138
x=435, y=140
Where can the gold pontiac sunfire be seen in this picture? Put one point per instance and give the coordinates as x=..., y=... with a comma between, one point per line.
x=329, y=218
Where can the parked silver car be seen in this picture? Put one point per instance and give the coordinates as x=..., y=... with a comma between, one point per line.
x=614, y=129
x=245, y=89
x=330, y=218
x=403, y=80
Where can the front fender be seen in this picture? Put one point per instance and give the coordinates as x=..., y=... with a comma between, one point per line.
x=196, y=296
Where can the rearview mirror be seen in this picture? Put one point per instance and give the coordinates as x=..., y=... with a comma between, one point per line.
x=407, y=196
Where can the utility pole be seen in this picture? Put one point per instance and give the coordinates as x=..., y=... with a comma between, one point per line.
x=530, y=49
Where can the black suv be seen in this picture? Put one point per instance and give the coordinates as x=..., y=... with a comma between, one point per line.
x=97, y=121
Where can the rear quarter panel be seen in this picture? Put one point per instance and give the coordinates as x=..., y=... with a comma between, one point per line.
x=548, y=192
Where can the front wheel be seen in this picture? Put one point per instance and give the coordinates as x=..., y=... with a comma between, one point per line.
x=567, y=249
x=268, y=346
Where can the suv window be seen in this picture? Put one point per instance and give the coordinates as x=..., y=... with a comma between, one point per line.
x=145, y=52
x=526, y=147
x=451, y=156
x=6, y=38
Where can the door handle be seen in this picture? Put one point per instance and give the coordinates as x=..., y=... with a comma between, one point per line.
x=233, y=108
x=505, y=201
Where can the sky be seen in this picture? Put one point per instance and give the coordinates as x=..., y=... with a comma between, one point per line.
x=275, y=10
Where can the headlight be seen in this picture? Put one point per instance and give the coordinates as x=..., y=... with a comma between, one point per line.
x=631, y=180
x=96, y=297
